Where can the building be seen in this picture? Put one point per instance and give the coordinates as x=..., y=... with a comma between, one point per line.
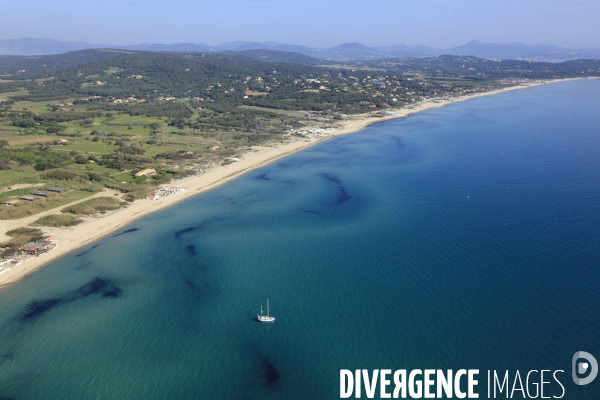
x=62, y=141
x=29, y=197
x=56, y=189
x=39, y=247
x=41, y=193
x=10, y=202
x=146, y=172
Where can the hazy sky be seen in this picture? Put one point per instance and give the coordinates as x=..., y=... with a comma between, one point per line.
x=439, y=23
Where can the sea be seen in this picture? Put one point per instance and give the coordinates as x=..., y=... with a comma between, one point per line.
x=463, y=237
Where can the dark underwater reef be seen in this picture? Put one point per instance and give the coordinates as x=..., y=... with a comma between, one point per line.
x=83, y=253
x=124, y=232
x=343, y=195
x=102, y=287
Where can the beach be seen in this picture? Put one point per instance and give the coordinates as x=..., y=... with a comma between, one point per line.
x=69, y=239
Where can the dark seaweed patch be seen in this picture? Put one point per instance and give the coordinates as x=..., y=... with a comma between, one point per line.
x=87, y=251
x=101, y=286
x=399, y=142
x=269, y=373
x=199, y=288
x=38, y=308
x=6, y=357
x=83, y=265
x=191, y=249
x=190, y=284
x=331, y=178
x=343, y=195
x=96, y=285
x=262, y=177
x=186, y=230
x=127, y=231
x=113, y=292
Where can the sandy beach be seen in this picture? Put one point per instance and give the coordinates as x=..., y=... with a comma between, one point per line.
x=69, y=239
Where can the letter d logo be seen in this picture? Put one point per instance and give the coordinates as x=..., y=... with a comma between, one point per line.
x=580, y=368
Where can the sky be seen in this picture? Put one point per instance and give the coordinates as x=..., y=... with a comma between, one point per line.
x=322, y=23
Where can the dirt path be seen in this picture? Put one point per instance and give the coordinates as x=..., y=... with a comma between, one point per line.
x=7, y=225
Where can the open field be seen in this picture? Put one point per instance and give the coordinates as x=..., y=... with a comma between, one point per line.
x=16, y=175
x=86, y=146
x=128, y=120
x=120, y=129
x=14, y=138
x=25, y=208
x=57, y=221
x=297, y=114
x=7, y=95
x=35, y=107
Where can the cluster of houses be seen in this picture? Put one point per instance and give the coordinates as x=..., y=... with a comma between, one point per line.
x=314, y=133
x=21, y=253
x=314, y=116
x=165, y=193
x=35, y=195
x=131, y=99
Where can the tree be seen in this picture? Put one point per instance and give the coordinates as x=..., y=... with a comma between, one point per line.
x=3, y=143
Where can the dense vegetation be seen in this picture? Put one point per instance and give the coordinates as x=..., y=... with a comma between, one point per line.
x=94, y=206
x=57, y=221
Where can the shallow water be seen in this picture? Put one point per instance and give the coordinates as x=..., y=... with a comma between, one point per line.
x=461, y=237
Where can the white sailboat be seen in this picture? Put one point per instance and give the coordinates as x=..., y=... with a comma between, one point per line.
x=265, y=318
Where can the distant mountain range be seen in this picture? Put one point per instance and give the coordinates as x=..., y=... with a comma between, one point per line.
x=341, y=53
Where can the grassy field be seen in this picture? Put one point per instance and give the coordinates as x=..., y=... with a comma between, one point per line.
x=18, y=140
x=57, y=220
x=26, y=208
x=12, y=175
x=124, y=176
x=95, y=168
x=6, y=95
x=34, y=107
x=154, y=150
x=132, y=120
x=95, y=205
x=86, y=146
x=297, y=114
x=105, y=128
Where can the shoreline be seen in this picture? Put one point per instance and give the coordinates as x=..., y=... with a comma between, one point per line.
x=73, y=238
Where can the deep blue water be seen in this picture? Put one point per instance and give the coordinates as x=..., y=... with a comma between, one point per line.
x=462, y=237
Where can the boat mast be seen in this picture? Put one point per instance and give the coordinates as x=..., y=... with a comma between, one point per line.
x=268, y=312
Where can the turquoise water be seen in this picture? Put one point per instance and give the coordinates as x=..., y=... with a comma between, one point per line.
x=461, y=237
